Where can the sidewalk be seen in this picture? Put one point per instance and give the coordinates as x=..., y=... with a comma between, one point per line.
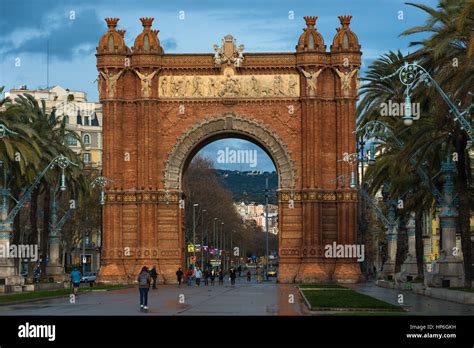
x=415, y=304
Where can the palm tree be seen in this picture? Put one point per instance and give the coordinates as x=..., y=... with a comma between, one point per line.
x=53, y=134
x=448, y=55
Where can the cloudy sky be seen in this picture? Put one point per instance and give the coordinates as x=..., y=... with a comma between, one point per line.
x=72, y=28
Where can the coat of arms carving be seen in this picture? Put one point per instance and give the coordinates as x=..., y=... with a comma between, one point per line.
x=228, y=52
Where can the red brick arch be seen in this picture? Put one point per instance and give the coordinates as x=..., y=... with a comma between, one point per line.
x=159, y=108
x=229, y=125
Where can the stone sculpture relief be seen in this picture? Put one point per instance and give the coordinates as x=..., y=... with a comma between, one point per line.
x=346, y=78
x=146, y=79
x=311, y=81
x=110, y=81
x=212, y=86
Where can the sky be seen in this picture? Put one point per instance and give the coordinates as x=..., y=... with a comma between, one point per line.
x=72, y=28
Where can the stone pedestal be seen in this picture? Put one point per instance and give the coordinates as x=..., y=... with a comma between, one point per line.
x=449, y=268
x=388, y=269
x=8, y=271
x=54, y=269
x=409, y=266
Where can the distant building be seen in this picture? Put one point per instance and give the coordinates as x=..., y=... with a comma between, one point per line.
x=257, y=213
x=82, y=117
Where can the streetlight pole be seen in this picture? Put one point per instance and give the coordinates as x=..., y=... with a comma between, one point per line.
x=266, y=227
x=194, y=228
x=214, y=244
x=202, y=239
x=222, y=246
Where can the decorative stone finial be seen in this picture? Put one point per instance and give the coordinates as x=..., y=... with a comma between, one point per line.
x=310, y=20
x=345, y=21
x=147, y=22
x=112, y=23
x=121, y=32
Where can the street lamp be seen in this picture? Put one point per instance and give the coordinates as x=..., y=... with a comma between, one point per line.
x=222, y=246
x=202, y=239
x=214, y=244
x=194, y=228
x=101, y=181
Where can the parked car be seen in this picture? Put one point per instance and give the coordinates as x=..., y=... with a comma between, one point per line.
x=89, y=278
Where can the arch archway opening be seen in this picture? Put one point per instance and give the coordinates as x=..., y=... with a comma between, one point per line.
x=230, y=183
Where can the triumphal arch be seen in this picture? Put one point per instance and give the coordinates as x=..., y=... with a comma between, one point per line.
x=159, y=109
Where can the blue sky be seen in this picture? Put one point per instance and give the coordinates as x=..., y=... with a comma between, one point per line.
x=73, y=28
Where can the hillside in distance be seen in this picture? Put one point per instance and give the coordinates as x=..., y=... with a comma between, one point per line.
x=249, y=186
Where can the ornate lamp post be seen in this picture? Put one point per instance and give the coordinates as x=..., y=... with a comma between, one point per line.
x=101, y=181
x=7, y=268
x=54, y=268
x=411, y=75
x=454, y=272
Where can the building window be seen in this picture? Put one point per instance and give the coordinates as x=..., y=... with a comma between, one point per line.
x=79, y=118
x=66, y=119
x=95, y=120
x=86, y=120
x=71, y=140
x=87, y=157
x=86, y=139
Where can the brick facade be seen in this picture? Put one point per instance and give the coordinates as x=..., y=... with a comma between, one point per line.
x=149, y=138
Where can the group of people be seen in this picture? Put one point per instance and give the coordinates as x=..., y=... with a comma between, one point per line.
x=147, y=278
x=209, y=275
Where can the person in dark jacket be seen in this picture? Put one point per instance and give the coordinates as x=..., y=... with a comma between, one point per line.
x=232, y=275
x=179, y=276
x=144, y=281
x=221, y=276
x=153, y=275
x=206, y=277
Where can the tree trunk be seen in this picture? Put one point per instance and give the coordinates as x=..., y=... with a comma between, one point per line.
x=464, y=208
x=419, y=241
x=45, y=232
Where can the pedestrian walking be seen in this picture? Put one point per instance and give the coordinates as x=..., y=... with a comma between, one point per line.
x=232, y=275
x=179, y=276
x=249, y=276
x=221, y=276
x=76, y=280
x=213, y=276
x=198, y=275
x=207, y=274
x=259, y=275
x=144, y=281
x=153, y=275
x=189, y=276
